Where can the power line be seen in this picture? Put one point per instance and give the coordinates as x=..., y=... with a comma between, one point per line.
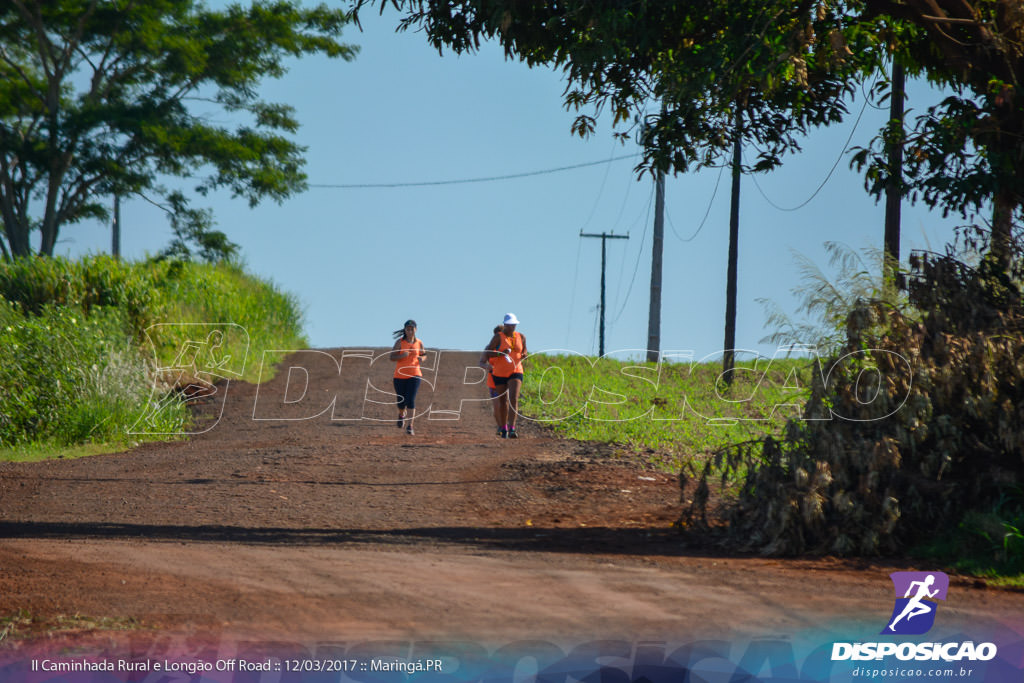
x=572, y=297
x=827, y=178
x=619, y=281
x=464, y=181
x=636, y=268
x=644, y=215
x=579, y=246
x=706, y=213
x=600, y=191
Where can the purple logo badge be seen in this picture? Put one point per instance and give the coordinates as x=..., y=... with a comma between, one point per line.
x=916, y=593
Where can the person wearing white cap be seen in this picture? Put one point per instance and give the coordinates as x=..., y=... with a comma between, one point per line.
x=506, y=352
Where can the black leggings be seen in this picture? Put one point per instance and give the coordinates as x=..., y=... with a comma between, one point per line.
x=406, y=388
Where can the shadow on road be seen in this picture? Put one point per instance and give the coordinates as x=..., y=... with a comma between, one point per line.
x=584, y=540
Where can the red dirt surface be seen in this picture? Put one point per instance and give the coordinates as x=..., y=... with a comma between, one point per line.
x=279, y=522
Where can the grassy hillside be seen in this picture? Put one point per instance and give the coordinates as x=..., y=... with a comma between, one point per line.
x=89, y=343
x=674, y=411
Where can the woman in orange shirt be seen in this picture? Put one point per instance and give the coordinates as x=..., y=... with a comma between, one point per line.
x=407, y=353
x=506, y=351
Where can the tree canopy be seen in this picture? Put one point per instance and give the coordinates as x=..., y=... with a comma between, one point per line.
x=674, y=73
x=101, y=97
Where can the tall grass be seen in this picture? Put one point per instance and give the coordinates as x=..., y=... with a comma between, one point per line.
x=71, y=377
x=671, y=411
x=85, y=340
x=987, y=542
x=262, y=316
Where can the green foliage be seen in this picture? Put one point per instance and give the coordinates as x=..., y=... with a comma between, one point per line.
x=99, y=98
x=224, y=293
x=677, y=412
x=83, y=340
x=918, y=425
x=967, y=150
x=827, y=301
x=193, y=228
x=689, y=78
x=70, y=376
x=786, y=66
x=96, y=281
x=988, y=542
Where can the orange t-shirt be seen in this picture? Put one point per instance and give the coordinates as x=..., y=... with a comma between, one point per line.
x=513, y=347
x=490, y=375
x=409, y=366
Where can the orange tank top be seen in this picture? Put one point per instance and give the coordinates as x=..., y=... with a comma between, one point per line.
x=409, y=366
x=490, y=374
x=513, y=347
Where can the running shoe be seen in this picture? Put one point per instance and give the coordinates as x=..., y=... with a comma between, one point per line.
x=512, y=434
x=400, y=423
x=502, y=433
x=409, y=431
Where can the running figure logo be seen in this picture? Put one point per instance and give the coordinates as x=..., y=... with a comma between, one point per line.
x=914, y=612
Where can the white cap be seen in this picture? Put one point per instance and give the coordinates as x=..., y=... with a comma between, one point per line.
x=510, y=319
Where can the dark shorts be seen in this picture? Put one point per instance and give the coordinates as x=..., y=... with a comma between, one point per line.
x=503, y=381
x=406, y=388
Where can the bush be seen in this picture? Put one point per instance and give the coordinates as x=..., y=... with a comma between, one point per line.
x=69, y=377
x=34, y=283
x=922, y=447
x=78, y=366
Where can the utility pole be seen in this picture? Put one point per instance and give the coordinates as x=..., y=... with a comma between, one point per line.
x=893, y=197
x=604, y=237
x=654, y=314
x=728, y=353
x=115, y=246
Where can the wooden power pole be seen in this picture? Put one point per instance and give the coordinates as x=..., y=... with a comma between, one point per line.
x=728, y=352
x=604, y=237
x=115, y=229
x=893, y=196
x=654, y=314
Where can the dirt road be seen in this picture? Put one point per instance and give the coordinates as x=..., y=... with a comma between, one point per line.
x=278, y=521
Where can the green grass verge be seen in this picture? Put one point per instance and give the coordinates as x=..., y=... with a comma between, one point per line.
x=681, y=412
x=673, y=411
x=987, y=544
x=89, y=344
x=23, y=625
x=37, y=452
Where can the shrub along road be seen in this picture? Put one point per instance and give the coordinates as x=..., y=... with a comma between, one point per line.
x=277, y=521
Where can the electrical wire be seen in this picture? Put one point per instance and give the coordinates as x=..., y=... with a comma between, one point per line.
x=868, y=97
x=464, y=181
x=572, y=297
x=622, y=260
x=706, y=213
x=640, y=252
x=600, y=191
x=618, y=282
x=827, y=177
x=579, y=245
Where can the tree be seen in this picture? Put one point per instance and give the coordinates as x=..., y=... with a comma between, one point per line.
x=788, y=65
x=194, y=235
x=103, y=97
x=692, y=64
x=965, y=153
x=718, y=73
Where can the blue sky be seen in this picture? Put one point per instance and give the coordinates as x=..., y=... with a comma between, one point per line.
x=457, y=257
